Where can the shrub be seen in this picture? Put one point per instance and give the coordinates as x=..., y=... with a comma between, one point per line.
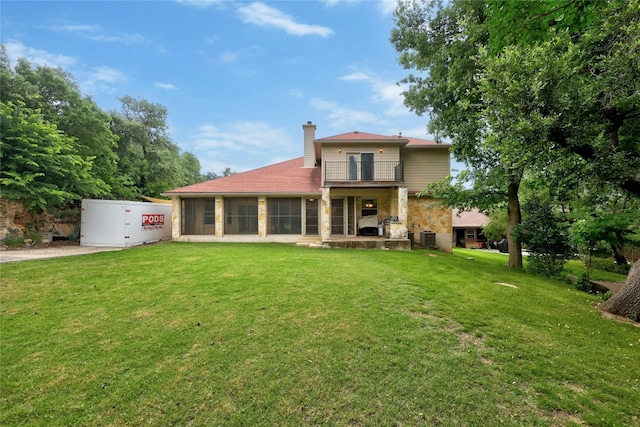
x=546, y=237
x=608, y=265
x=583, y=283
x=14, y=241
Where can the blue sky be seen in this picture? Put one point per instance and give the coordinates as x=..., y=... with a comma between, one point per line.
x=238, y=78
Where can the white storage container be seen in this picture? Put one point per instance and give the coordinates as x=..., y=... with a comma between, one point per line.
x=121, y=223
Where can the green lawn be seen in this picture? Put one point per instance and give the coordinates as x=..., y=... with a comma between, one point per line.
x=267, y=334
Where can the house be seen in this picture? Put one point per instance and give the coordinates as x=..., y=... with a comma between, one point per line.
x=351, y=190
x=467, y=228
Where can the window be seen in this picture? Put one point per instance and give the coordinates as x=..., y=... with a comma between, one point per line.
x=369, y=207
x=198, y=216
x=241, y=215
x=209, y=212
x=337, y=216
x=311, y=217
x=470, y=234
x=284, y=216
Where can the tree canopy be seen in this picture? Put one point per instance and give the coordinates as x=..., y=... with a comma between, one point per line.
x=57, y=146
x=544, y=92
x=526, y=90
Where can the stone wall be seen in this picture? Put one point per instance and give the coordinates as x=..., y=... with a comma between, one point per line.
x=16, y=220
x=426, y=214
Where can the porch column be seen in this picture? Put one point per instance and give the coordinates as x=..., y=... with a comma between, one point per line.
x=176, y=216
x=325, y=214
x=399, y=230
x=219, y=213
x=262, y=216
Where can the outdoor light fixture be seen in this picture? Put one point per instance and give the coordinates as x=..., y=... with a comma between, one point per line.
x=380, y=150
x=339, y=150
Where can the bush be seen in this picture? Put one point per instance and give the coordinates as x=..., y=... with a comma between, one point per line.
x=606, y=296
x=608, y=265
x=583, y=283
x=546, y=237
x=14, y=241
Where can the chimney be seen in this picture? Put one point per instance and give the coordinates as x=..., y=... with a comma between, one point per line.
x=309, y=149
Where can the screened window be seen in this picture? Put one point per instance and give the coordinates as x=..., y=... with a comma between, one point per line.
x=470, y=234
x=337, y=216
x=241, y=215
x=284, y=216
x=311, y=213
x=198, y=216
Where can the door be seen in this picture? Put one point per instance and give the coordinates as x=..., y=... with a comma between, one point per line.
x=367, y=166
x=354, y=158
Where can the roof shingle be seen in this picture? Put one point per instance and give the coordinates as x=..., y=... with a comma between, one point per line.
x=285, y=177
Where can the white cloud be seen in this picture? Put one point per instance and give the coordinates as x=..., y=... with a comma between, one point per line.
x=102, y=79
x=260, y=14
x=242, y=145
x=296, y=94
x=201, y=3
x=342, y=117
x=167, y=86
x=99, y=34
x=242, y=136
x=17, y=50
x=383, y=91
x=228, y=56
x=387, y=7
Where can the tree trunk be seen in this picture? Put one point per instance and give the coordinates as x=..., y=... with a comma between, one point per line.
x=626, y=302
x=514, y=219
x=618, y=255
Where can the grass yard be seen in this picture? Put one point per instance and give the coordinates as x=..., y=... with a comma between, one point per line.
x=268, y=334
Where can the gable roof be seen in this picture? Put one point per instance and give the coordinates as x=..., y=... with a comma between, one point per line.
x=290, y=177
x=364, y=137
x=468, y=219
x=281, y=178
x=357, y=136
x=417, y=142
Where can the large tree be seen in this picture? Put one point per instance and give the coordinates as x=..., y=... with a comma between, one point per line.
x=148, y=157
x=443, y=43
x=528, y=88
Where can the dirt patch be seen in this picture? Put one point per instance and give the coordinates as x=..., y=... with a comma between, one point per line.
x=617, y=318
x=509, y=285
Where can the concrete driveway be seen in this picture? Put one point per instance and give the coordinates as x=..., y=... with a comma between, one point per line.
x=51, y=251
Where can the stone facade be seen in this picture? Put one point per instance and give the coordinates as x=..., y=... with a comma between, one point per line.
x=428, y=215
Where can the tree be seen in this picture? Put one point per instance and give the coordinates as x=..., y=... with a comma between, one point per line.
x=40, y=166
x=626, y=302
x=546, y=237
x=444, y=43
x=516, y=86
x=149, y=159
x=55, y=94
x=212, y=175
x=190, y=166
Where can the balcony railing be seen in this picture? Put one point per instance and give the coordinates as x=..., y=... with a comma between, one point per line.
x=363, y=172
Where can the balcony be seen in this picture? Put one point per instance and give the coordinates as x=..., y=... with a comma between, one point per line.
x=372, y=174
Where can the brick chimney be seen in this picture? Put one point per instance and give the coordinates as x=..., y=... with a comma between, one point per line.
x=309, y=149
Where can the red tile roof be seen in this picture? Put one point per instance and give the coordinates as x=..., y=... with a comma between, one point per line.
x=417, y=142
x=367, y=137
x=289, y=176
x=285, y=177
x=361, y=136
x=469, y=219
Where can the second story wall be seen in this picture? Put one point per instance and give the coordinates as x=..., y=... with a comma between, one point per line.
x=424, y=166
x=330, y=153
